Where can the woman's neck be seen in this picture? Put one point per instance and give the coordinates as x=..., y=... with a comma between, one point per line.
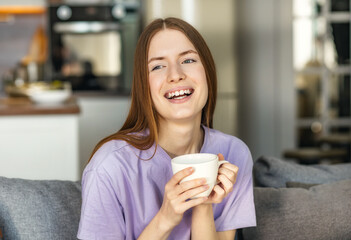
x=177, y=139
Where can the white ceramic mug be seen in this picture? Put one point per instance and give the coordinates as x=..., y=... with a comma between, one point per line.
x=205, y=166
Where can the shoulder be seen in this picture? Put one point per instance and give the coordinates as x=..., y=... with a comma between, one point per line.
x=233, y=149
x=226, y=141
x=111, y=155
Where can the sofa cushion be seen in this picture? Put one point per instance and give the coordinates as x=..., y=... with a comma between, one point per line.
x=39, y=209
x=300, y=185
x=274, y=172
x=320, y=212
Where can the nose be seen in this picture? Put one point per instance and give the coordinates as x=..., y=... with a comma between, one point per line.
x=175, y=73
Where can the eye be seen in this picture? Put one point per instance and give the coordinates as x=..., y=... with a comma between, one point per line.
x=189, y=60
x=157, y=67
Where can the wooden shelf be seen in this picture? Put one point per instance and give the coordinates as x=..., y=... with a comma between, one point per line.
x=7, y=10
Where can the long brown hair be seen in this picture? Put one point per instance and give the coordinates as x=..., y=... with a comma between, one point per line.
x=142, y=114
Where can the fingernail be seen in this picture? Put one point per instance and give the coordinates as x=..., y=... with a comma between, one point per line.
x=191, y=169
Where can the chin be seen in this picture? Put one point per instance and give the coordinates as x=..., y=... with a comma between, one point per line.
x=186, y=117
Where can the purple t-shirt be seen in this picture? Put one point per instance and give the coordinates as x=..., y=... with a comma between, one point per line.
x=122, y=192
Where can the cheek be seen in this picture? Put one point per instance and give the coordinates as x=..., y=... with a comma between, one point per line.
x=155, y=87
x=203, y=83
x=205, y=97
x=205, y=90
x=200, y=75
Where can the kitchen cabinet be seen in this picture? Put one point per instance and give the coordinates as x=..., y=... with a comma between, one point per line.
x=23, y=3
x=22, y=10
x=22, y=7
x=39, y=142
x=48, y=142
x=100, y=116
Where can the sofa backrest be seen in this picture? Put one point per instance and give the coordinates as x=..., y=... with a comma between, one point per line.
x=319, y=212
x=275, y=172
x=296, y=201
x=39, y=209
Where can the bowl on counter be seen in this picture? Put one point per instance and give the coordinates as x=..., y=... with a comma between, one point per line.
x=25, y=89
x=55, y=92
x=50, y=96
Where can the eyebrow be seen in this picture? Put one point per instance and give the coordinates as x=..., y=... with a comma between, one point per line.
x=180, y=54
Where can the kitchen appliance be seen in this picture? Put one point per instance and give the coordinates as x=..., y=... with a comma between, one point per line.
x=92, y=45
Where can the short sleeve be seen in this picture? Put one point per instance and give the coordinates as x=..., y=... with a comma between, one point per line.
x=101, y=213
x=238, y=210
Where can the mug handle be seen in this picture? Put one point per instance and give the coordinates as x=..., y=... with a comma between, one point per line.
x=221, y=162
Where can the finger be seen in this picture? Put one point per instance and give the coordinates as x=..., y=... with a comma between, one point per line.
x=193, y=192
x=227, y=184
x=185, y=186
x=177, y=177
x=220, y=156
x=192, y=203
x=170, y=188
x=217, y=194
x=230, y=166
x=228, y=173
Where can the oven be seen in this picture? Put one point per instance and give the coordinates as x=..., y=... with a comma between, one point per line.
x=92, y=46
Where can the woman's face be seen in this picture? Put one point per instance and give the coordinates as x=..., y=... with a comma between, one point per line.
x=176, y=76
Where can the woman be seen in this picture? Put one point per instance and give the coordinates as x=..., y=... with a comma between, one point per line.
x=128, y=189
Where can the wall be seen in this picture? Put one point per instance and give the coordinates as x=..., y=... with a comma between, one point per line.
x=216, y=22
x=266, y=78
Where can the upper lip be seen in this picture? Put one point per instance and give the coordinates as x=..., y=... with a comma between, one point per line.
x=178, y=90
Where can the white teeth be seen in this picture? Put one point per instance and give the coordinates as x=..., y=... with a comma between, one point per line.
x=180, y=97
x=178, y=94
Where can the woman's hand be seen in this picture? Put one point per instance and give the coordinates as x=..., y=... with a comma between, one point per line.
x=227, y=174
x=177, y=196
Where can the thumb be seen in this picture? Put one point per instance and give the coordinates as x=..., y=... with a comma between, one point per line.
x=220, y=156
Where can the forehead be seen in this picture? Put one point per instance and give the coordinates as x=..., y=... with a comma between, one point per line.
x=169, y=41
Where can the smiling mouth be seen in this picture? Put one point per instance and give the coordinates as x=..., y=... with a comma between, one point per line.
x=180, y=94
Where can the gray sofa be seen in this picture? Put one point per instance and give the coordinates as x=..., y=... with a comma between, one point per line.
x=39, y=210
x=295, y=201
x=292, y=202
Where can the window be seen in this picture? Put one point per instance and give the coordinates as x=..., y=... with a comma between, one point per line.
x=321, y=31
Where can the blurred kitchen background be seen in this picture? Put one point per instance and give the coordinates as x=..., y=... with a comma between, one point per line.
x=283, y=74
